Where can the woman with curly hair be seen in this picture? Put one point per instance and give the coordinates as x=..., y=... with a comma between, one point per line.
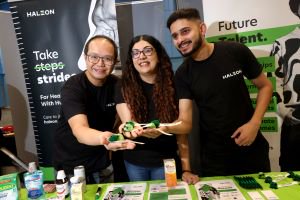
x=147, y=93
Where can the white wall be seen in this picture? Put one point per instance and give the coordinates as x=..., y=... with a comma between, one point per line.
x=19, y=105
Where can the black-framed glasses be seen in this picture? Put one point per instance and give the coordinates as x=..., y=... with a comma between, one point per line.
x=107, y=60
x=147, y=51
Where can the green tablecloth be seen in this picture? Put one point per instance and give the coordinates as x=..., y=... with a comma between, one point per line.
x=285, y=193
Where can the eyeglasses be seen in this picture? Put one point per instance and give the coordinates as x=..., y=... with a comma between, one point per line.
x=107, y=60
x=147, y=51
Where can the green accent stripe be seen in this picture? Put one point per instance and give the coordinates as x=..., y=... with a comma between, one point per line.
x=159, y=196
x=255, y=38
x=133, y=193
x=268, y=63
x=48, y=173
x=228, y=190
x=253, y=89
x=176, y=191
x=272, y=107
x=269, y=124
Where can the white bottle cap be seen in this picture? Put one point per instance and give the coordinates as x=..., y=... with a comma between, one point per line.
x=61, y=174
x=75, y=179
x=79, y=171
x=32, y=167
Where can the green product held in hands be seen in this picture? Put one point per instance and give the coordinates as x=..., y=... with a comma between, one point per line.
x=154, y=124
x=116, y=137
x=128, y=126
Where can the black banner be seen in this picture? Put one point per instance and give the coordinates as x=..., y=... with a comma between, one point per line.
x=51, y=35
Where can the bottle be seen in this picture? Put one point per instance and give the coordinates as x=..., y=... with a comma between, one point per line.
x=33, y=180
x=80, y=172
x=76, y=190
x=62, y=185
x=170, y=172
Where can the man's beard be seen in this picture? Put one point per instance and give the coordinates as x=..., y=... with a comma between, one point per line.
x=196, y=46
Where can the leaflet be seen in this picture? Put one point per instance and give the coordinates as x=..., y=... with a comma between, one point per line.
x=125, y=191
x=218, y=190
x=160, y=191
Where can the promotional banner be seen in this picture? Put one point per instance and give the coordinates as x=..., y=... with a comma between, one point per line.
x=256, y=24
x=51, y=36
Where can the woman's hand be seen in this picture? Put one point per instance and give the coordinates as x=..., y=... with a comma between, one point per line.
x=134, y=133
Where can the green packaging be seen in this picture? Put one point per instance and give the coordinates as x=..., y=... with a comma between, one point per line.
x=9, y=187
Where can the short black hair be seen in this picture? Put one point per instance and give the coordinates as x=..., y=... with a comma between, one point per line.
x=184, y=13
x=86, y=47
x=294, y=5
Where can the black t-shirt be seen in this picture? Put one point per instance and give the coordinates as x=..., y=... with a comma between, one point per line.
x=79, y=96
x=217, y=85
x=152, y=153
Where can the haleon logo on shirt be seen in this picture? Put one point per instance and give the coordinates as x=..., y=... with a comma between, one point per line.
x=111, y=104
x=231, y=74
x=38, y=13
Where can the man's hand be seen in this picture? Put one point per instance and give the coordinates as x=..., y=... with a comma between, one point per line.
x=120, y=145
x=246, y=134
x=190, y=178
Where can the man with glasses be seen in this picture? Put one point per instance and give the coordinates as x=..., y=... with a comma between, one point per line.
x=88, y=114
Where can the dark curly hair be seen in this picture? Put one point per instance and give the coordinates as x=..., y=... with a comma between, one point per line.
x=166, y=106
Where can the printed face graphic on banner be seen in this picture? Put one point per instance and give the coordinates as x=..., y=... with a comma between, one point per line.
x=186, y=36
x=102, y=21
x=99, y=61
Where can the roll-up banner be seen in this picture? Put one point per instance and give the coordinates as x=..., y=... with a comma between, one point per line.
x=256, y=24
x=51, y=35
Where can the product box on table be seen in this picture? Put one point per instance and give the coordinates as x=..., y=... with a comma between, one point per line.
x=9, y=187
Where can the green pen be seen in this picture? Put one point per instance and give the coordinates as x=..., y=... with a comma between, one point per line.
x=97, y=197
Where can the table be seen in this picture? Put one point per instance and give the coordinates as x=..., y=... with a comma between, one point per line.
x=285, y=193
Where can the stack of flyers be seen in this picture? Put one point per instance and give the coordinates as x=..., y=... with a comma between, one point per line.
x=125, y=191
x=218, y=190
x=160, y=191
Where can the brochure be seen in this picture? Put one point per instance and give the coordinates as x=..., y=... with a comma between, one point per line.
x=161, y=192
x=218, y=190
x=125, y=191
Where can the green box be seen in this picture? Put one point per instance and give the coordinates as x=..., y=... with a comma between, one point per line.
x=9, y=187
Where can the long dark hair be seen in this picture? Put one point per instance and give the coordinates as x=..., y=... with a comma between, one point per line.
x=164, y=98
